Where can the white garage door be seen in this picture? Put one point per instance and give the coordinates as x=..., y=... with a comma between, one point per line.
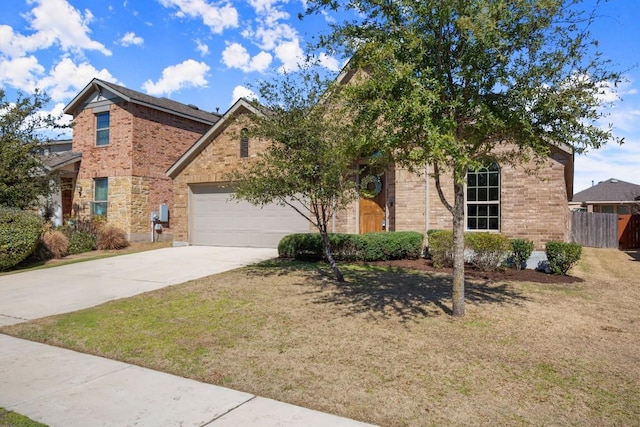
x=216, y=220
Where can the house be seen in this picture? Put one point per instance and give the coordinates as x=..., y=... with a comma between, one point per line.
x=123, y=142
x=610, y=196
x=500, y=198
x=58, y=156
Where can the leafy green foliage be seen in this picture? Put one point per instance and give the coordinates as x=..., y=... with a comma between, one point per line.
x=562, y=256
x=353, y=247
x=81, y=241
x=441, y=247
x=451, y=83
x=489, y=250
x=24, y=180
x=521, y=250
x=19, y=235
x=309, y=162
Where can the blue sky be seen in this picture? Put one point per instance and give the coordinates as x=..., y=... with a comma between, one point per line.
x=210, y=52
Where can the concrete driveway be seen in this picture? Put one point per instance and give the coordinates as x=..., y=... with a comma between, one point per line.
x=40, y=293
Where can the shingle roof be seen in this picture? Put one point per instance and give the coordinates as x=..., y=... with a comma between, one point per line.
x=55, y=161
x=611, y=190
x=130, y=95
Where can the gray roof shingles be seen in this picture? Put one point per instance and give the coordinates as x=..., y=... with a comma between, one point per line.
x=611, y=190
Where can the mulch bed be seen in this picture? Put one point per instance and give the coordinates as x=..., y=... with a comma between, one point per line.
x=510, y=274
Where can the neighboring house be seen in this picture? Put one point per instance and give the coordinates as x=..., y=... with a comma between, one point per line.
x=123, y=142
x=610, y=196
x=500, y=198
x=58, y=157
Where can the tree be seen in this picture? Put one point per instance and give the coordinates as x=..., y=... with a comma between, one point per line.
x=309, y=164
x=456, y=84
x=24, y=180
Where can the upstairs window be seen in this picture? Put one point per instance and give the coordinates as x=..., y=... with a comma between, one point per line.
x=102, y=129
x=244, y=143
x=100, y=196
x=483, y=198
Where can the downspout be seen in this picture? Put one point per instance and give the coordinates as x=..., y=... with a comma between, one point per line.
x=426, y=202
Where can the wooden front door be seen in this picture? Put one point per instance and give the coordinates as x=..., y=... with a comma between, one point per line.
x=629, y=231
x=66, y=190
x=372, y=210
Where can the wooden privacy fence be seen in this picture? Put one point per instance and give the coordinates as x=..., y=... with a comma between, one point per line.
x=596, y=230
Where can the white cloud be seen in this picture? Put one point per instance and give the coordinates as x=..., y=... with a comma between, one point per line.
x=217, y=18
x=67, y=78
x=612, y=161
x=242, y=92
x=269, y=38
x=202, y=48
x=20, y=73
x=291, y=55
x=329, y=62
x=52, y=22
x=131, y=39
x=189, y=73
x=236, y=56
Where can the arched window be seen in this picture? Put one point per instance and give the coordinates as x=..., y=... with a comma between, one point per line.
x=244, y=143
x=483, y=198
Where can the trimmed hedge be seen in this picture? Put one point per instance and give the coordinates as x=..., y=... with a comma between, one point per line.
x=441, y=247
x=490, y=250
x=562, y=256
x=353, y=247
x=521, y=250
x=19, y=235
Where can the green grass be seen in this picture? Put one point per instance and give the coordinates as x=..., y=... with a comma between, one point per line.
x=12, y=419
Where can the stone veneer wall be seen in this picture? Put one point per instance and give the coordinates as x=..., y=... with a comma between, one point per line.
x=144, y=143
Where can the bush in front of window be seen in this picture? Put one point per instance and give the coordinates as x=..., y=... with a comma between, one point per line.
x=521, y=250
x=562, y=256
x=19, y=236
x=353, y=247
x=112, y=237
x=441, y=247
x=489, y=250
x=56, y=242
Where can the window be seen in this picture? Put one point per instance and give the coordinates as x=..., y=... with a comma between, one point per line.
x=100, y=196
x=483, y=198
x=244, y=143
x=102, y=129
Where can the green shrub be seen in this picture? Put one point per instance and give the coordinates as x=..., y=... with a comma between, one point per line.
x=112, y=237
x=562, y=256
x=490, y=250
x=353, y=247
x=81, y=242
x=57, y=243
x=19, y=235
x=441, y=247
x=521, y=250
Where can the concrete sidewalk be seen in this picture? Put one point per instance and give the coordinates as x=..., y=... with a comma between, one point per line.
x=64, y=388
x=60, y=387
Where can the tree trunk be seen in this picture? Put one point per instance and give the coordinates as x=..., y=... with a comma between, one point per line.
x=458, y=251
x=329, y=255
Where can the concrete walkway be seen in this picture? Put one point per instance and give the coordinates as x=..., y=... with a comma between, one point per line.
x=61, y=387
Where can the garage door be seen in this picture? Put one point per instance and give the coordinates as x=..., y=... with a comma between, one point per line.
x=216, y=220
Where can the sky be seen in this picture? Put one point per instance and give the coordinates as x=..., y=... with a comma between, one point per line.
x=211, y=52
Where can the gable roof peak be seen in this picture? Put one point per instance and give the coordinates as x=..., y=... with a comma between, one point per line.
x=135, y=97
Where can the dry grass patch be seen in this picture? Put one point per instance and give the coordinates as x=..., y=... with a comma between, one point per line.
x=382, y=348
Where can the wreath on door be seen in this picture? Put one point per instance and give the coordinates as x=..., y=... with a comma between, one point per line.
x=370, y=193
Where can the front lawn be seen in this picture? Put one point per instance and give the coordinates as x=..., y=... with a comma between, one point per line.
x=382, y=348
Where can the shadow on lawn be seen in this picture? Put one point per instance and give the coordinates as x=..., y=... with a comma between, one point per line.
x=393, y=292
x=635, y=254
